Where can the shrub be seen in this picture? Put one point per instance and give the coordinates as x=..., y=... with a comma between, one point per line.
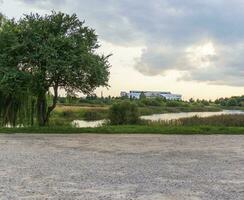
x=123, y=113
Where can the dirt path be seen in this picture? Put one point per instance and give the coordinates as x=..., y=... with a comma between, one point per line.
x=121, y=167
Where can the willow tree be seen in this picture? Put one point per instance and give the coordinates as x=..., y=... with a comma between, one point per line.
x=1, y=19
x=14, y=83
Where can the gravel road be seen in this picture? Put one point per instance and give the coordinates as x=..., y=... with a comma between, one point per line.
x=121, y=167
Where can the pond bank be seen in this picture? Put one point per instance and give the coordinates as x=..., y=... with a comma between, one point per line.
x=130, y=129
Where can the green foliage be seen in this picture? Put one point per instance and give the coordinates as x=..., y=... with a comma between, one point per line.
x=142, y=96
x=123, y=113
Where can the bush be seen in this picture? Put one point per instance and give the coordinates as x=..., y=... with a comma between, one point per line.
x=123, y=113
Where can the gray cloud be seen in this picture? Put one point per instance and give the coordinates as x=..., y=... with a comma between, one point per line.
x=176, y=34
x=45, y=3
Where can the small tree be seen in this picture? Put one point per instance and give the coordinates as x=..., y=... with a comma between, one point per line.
x=142, y=95
x=191, y=100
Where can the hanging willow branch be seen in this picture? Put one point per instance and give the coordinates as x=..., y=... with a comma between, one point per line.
x=17, y=110
x=16, y=100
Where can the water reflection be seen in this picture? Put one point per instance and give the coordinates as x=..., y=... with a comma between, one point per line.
x=86, y=124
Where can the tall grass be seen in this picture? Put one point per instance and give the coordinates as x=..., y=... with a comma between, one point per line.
x=218, y=120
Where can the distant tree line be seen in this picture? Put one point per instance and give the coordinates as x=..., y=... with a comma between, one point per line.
x=232, y=101
x=157, y=101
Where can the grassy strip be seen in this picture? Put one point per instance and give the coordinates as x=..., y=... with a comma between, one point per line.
x=149, y=110
x=131, y=129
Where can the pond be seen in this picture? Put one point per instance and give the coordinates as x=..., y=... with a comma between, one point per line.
x=172, y=116
x=156, y=117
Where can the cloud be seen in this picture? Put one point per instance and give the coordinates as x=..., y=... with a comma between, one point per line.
x=45, y=3
x=203, y=39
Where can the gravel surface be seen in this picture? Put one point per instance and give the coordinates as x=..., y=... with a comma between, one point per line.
x=121, y=167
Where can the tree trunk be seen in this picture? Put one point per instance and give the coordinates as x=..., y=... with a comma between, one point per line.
x=51, y=108
x=43, y=112
x=32, y=111
x=41, y=109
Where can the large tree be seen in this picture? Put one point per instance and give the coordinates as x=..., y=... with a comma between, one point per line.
x=58, y=51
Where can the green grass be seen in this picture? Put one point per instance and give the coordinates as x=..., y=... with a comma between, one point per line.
x=131, y=129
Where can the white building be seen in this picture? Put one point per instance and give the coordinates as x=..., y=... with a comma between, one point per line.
x=171, y=96
x=151, y=94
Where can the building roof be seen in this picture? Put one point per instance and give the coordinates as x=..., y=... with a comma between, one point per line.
x=138, y=91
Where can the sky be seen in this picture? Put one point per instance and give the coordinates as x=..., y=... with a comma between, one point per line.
x=194, y=48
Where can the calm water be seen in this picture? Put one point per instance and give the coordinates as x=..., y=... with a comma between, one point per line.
x=156, y=117
x=171, y=116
